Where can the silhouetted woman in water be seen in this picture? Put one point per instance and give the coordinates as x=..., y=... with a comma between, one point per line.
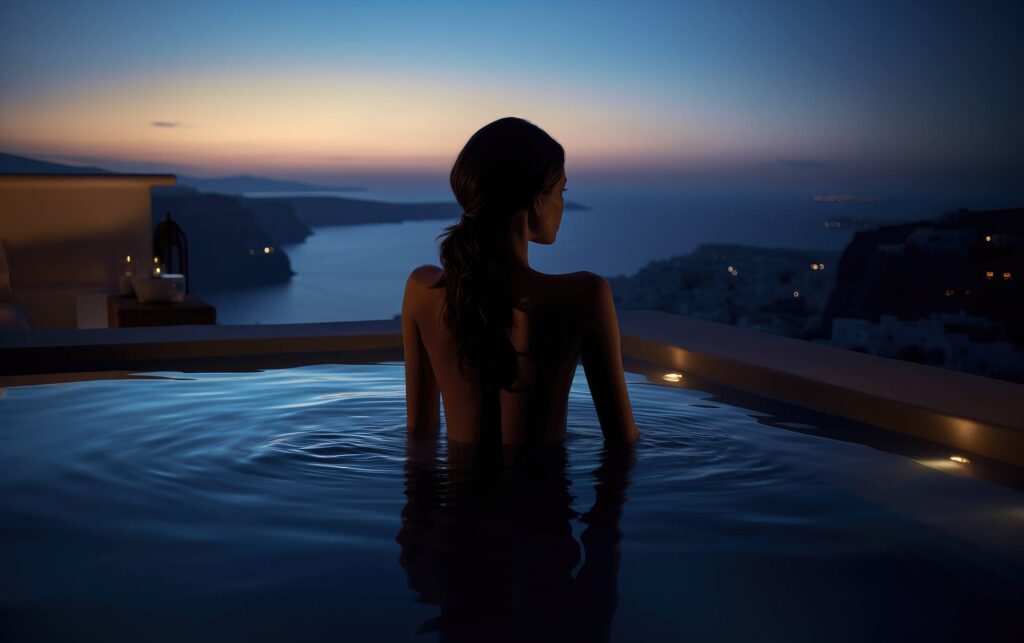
x=497, y=340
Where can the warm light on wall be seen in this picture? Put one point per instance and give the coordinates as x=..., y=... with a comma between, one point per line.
x=960, y=459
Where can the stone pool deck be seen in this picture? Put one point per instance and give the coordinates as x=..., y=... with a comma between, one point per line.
x=966, y=412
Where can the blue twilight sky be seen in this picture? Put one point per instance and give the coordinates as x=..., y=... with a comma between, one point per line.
x=841, y=93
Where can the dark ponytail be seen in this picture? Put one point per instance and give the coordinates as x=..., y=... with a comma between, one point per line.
x=501, y=170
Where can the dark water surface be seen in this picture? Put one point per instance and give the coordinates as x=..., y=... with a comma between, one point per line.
x=289, y=505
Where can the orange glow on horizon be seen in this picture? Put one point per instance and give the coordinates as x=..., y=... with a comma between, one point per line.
x=333, y=121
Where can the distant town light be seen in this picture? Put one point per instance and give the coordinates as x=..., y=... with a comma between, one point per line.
x=672, y=377
x=988, y=237
x=266, y=250
x=128, y=259
x=1007, y=276
x=814, y=266
x=252, y=252
x=796, y=293
x=989, y=274
x=821, y=266
x=960, y=459
x=730, y=269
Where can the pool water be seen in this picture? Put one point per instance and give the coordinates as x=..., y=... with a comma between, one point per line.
x=290, y=505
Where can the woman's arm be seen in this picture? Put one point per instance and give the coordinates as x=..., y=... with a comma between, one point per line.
x=422, y=396
x=602, y=363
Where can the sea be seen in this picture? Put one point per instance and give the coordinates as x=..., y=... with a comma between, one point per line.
x=345, y=273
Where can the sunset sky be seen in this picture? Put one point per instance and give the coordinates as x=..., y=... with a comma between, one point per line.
x=323, y=91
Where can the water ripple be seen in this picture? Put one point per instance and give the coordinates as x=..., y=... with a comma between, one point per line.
x=242, y=482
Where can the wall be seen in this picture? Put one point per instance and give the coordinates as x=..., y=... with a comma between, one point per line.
x=66, y=235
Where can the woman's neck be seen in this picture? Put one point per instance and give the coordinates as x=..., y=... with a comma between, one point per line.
x=519, y=241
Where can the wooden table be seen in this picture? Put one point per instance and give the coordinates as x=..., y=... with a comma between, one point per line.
x=123, y=312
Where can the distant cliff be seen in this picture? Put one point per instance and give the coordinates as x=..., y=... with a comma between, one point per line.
x=11, y=164
x=278, y=219
x=968, y=261
x=227, y=247
x=775, y=290
x=244, y=184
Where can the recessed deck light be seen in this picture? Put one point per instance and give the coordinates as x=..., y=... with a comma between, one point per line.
x=672, y=377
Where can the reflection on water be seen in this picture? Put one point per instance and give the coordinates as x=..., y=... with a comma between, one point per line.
x=265, y=506
x=486, y=536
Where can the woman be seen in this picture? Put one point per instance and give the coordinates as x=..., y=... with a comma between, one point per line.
x=497, y=340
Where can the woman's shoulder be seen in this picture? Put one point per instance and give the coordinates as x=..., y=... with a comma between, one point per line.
x=584, y=283
x=425, y=276
x=581, y=291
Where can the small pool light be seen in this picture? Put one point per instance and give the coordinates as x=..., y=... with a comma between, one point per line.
x=672, y=377
x=960, y=459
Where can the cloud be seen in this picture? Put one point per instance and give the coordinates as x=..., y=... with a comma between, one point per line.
x=166, y=124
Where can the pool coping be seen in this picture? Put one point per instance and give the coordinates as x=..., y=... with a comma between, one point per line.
x=966, y=412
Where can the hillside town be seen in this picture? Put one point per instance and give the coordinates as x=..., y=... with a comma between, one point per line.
x=944, y=292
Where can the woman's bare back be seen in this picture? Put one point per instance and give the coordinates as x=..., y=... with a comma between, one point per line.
x=557, y=320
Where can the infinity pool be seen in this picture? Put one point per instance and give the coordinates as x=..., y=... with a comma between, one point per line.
x=288, y=505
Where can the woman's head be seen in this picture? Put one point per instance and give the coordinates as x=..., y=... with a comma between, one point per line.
x=508, y=167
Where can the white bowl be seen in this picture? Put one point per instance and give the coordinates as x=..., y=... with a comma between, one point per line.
x=166, y=289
